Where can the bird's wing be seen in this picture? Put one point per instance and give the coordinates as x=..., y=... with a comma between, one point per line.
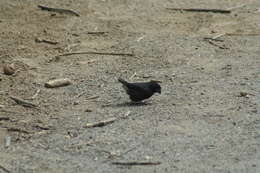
x=138, y=92
x=136, y=87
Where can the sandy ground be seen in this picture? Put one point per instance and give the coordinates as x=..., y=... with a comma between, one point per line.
x=206, y=119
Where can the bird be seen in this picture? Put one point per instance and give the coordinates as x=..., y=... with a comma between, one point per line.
x=141, y=90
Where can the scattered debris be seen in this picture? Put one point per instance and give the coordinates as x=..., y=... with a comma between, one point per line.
x=101, y=123
x=9, y=69
x=135, y=163
x=41, y=40
x=200, y=10
x=7, y=141
x=58, y=83
x=23, y=102
x=96, y=53
x=58, y=10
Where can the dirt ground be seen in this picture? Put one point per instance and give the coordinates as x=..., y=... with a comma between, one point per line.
x=206, y=119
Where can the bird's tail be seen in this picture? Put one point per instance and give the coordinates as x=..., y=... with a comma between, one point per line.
x=122, y=81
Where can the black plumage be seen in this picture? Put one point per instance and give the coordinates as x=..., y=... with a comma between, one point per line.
x=141, y=90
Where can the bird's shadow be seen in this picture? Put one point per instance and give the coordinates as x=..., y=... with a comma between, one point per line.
x=129, y=104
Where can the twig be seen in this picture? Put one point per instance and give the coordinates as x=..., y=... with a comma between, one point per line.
x=214, y=44
x=96, y=32
x=41, y=127
x=200, y=10
x=58, y=10
x=4, y=169
x=40, y=40
x=23, y=102
x=218, y=36
x=127, y=151
x=239, y=6
x=36, y=94
x=215, y=38
x=101, y=123
x=12, y=129
x=97, y=53
x=92, y=97
x=243, y=34
x=135, y=163
x=133, y=76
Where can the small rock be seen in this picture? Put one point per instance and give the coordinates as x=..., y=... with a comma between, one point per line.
x=7, y=141
x=9, y=69
x=58, y=83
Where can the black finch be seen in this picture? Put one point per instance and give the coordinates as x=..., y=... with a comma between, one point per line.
x=141, y=90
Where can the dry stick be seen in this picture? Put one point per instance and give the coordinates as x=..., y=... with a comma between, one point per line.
x=200, y=10
x=215, y=38
x=23, y=102
x=133, y=76
x=36, y=94
x=41, y=127
x=245, y=34
x=96, y=53
x=4, y=169
x=39, y=40
x=101, y=123
x=214, y=44
x=58, y=10
x=135, y=163
x=218, y=36
x=240, y=6
x=96, y=32
x=92, y=97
